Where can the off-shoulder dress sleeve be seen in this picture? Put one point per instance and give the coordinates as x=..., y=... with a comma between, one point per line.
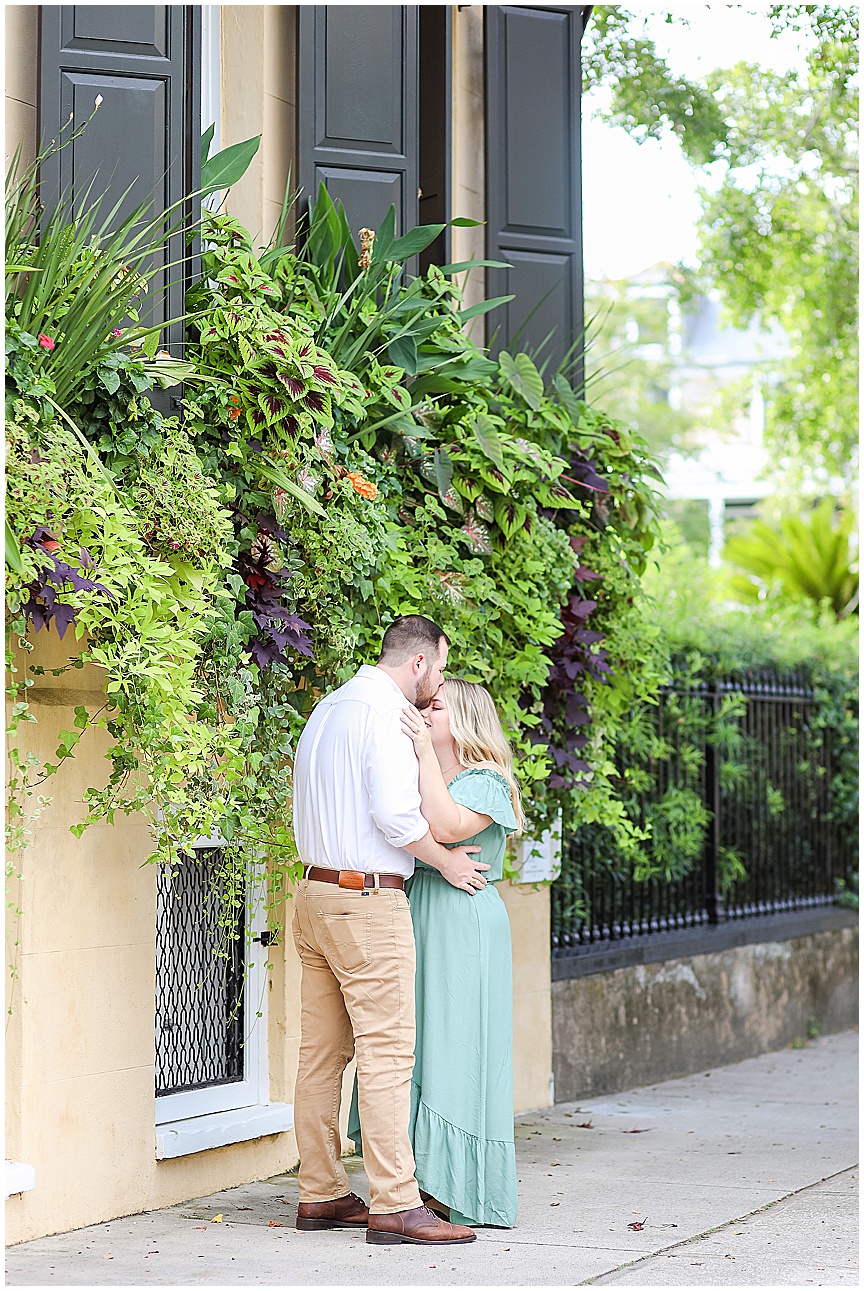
x=487, y=792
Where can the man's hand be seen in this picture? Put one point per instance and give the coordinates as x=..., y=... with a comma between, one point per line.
x=463, y=869
x=458, y=865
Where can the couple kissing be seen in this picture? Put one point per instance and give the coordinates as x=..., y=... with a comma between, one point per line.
x=404, y=791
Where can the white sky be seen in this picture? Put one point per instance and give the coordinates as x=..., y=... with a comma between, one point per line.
x=640, y=201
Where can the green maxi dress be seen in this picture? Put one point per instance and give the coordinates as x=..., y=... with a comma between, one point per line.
x=462, y=1088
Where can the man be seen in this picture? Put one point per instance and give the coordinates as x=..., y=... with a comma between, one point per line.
x=358, y=827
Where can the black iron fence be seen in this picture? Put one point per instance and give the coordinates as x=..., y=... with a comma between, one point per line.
x=737, y=791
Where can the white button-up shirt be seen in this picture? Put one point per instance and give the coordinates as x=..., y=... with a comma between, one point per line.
x=356, y=794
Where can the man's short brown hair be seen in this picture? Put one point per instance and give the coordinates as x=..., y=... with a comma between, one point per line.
x=409, y=635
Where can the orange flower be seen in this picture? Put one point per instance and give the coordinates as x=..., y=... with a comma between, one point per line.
x=234, y=413
x=365, y=488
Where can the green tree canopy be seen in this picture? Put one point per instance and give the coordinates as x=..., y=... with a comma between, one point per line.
x=779, y=221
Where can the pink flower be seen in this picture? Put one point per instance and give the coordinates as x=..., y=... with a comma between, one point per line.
x=117, y=332
x=46, y=342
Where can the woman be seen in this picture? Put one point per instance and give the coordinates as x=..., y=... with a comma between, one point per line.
x=462, y=1088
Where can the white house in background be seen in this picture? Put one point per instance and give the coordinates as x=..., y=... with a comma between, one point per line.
x=702, y=359
x=728, y=470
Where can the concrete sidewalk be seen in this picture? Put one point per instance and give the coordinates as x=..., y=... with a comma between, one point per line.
x=742, y=1176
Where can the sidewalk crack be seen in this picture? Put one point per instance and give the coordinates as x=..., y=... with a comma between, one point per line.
x=718, y=1228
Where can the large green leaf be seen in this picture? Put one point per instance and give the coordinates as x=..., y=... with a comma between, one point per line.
x=206, y=141
x=403, y=352
x=415, y=241
x=443, y=470
x=228, y=166
x=13, y=552
x=385, y=237
x=274, y=475
x=565, y=393
x=461, y=265
x=487, y=437
x=524, y=378
x=483, y=307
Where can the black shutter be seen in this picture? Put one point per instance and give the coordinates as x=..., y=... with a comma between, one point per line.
x=435, y=127
x=145, y=62
x=357, y=110
x=533, y=177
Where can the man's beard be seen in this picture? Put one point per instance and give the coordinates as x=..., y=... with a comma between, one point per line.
x=425, y=693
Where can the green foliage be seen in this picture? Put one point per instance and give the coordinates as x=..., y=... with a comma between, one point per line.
x=699, y=621
x=72, y=289
x=226, y=167
x=785, y=246
x=646, y=97
x=808, y=557
x=779, y=208
x=347, y=454
x=627, y=380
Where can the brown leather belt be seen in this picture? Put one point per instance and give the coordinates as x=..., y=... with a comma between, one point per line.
x=354, y=879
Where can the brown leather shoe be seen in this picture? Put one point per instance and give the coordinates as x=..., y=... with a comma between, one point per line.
x=420, y=1226
x=344, y=1212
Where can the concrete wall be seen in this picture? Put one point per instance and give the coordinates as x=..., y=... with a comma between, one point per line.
x=634, y=1026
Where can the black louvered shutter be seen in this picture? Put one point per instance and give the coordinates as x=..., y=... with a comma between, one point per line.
x=533, y=177
x=144, y=61
x=357, y=110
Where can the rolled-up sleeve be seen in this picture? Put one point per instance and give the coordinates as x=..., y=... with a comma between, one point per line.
x=392, y=781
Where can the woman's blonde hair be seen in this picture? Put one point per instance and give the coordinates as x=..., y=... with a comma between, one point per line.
x=478, y=734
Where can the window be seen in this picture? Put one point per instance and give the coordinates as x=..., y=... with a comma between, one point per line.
x=212, y=1082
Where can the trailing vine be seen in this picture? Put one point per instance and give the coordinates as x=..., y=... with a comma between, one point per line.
x=346, y=454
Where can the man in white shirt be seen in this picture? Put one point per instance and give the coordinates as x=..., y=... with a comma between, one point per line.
x=358, y=827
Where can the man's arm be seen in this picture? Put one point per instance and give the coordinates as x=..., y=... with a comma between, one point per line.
x=457, y=865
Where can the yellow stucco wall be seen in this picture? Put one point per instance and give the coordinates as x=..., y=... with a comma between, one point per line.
x=258, y=96
x=80, y=1037
x=80, y=1048
x=468, y=175
x=21, y=23
x=80, y=1042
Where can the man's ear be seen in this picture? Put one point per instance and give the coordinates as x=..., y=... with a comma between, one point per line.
x=417, y=663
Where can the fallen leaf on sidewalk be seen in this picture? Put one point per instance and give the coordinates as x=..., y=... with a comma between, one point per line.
x=554, y=1203
x=647, y=1130
x=585, y=1125
x=274, y=1223
x=217, y=1219
x=637, y=1228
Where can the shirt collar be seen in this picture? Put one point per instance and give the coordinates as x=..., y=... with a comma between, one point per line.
x=368, y=670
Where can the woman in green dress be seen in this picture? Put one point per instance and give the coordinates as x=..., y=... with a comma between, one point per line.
x=462, y=1087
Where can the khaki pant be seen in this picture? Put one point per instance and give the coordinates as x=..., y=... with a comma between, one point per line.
x=357, y=991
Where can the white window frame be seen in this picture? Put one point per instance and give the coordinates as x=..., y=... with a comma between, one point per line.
x=211, y=71
x=197, y=1119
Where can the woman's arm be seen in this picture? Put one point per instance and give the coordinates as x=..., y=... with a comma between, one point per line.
x=449, y=822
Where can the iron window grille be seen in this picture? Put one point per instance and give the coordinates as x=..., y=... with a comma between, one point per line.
x=200, y=971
